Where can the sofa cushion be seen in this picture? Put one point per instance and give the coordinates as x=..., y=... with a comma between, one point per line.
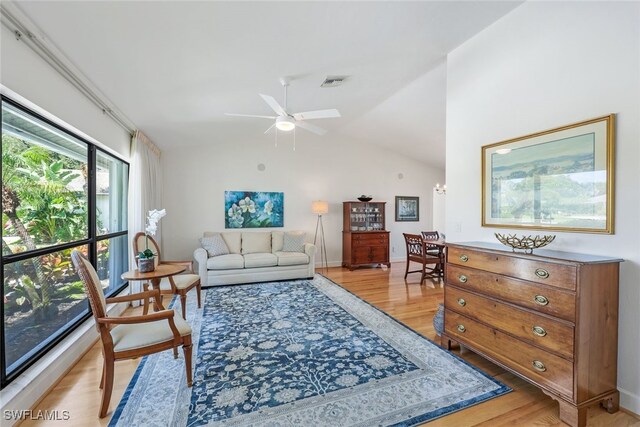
x=232, y=239
x=277, y=240
x=225, y=262
x=256, y=242
x=214, y=245
x=292, y=258
x=260, y=260
x=293, y=241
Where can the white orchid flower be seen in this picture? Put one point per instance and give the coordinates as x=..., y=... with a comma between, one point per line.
x=151, y=229
x=268, y=207
x=152, y=220
x=235, y=216
x=247, y=205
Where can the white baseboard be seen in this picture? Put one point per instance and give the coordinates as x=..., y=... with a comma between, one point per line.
x=629, y=401
x=339, y=263
x=30, y=387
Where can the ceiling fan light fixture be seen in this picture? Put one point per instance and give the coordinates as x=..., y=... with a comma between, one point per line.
x=285, y=124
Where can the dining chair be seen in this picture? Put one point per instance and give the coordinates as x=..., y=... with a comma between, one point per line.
x=435, y=250
x=132, y=336
x=417, y=252
x=179, y=284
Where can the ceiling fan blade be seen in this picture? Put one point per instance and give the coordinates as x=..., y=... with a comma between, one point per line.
x=318, y=114
x=269, y=130
x=311, y=128
x=274, y=104
x=250, y=115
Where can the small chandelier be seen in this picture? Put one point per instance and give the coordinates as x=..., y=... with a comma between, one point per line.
x=440, y=190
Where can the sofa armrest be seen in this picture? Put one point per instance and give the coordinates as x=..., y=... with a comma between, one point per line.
x=310, y=249
x=201, y=256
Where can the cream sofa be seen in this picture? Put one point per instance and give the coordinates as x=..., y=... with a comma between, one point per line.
x=254, y=256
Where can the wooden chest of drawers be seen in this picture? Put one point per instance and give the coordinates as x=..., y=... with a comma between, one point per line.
x=364, y=248
x=551, y=318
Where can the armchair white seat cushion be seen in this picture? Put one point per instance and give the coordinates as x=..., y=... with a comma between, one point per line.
x=182, y=281
x=292, y=258
x=260, y=260
x=225, y=262
x=137, y=335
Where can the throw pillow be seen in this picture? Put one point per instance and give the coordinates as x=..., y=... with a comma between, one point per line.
x=214, y=245
x=293, y=241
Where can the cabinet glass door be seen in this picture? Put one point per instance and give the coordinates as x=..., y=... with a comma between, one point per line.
x=367, y=216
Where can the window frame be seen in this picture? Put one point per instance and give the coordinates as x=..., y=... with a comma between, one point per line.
x=91, y=242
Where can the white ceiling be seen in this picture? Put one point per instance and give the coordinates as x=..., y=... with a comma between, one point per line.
x=174, y=68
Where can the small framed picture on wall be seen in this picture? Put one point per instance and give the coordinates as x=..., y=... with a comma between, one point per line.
x=407, y=208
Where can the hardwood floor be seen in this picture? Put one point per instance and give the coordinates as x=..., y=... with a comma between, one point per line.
x=409, y=302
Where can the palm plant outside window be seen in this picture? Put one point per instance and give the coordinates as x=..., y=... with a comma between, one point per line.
x=59, y=193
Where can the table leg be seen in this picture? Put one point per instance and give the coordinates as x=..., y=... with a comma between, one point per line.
x=155, y=282
x=145, y=302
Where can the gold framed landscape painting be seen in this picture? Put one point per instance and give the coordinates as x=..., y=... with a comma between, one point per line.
x=560, y=179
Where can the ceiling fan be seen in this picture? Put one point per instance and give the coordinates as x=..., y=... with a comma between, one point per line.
x=286, y=121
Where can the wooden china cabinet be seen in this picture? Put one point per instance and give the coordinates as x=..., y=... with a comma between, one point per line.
x=364, y=239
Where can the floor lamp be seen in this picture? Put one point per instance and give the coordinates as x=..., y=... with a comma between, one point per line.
x=320, y=207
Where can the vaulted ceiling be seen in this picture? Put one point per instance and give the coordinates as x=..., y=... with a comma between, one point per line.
x=174, y=68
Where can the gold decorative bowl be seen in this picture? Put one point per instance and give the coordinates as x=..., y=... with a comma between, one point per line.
x=525, y=243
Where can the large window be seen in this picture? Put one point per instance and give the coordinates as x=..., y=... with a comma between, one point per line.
x=59, y=193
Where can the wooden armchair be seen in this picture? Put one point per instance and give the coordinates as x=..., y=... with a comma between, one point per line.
x=133, y=336
x=175, y=285
x=435, y=250
x=417, y=252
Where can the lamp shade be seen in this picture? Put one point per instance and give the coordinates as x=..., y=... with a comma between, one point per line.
x=319, y=207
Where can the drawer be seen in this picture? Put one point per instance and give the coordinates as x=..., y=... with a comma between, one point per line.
x=379, y=254
x=373, y=239
x=541, y=367
x=560, y=275
x=361, y=255
x=549, y=300
x=370, y=255
x=551, y=334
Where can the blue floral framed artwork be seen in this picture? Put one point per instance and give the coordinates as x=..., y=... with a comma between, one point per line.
x=253, y=209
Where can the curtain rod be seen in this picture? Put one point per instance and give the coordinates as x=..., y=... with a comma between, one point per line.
x=22, y=33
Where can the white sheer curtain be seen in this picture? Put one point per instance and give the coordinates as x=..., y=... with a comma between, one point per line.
x=145, y=190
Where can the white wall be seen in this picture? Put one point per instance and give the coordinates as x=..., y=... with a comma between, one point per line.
x=439, y=211
x=322, y=168
x=25, y=73
x=541, y=66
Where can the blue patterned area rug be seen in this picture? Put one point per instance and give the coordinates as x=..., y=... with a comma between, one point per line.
x=300, y=353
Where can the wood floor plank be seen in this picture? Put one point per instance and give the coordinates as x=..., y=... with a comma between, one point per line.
x=409, y=302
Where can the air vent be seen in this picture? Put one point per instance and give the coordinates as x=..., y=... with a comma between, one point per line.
x=333, y=81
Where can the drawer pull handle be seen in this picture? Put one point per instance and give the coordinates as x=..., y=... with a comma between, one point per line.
x=541, y=300
x=539, y=331
x=542, y=273
x=462, y=278
x=461, y=302
x=461, y=328
x=538, y=366
x=464, y=258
